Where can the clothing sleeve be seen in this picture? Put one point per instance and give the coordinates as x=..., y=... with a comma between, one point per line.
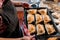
x=26, y=31
x=11, y=20
x=2, y=25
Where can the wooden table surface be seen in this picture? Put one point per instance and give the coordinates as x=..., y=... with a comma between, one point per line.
x=9, y=38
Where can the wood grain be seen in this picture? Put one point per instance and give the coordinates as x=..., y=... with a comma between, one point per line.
x=9, y=38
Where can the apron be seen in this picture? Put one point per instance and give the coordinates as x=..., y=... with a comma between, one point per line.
x=9, y=15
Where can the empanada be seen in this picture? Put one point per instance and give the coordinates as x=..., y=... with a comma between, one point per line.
x=46, y=19
x=30, y=18
x=50, y=29
x=38, y=18
x=31, y=28
x=43, y=11
x=40, y=29
x=32, y=11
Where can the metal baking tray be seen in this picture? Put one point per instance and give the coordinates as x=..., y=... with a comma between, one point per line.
x=52, y=22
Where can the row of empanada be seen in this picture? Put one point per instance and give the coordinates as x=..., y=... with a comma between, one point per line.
x=40, y=29
x=34, y=11
x=30, y=18
x=46, y=19
x=39, y=18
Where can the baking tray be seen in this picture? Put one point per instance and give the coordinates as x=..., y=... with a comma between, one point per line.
x=25, y=15
x=26, y=22
x=45, y=35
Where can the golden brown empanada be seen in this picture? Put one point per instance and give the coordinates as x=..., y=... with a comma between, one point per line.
x=43, y=11
x=30, y=18
x=46, y=19
x=40, y=29
x=31, y=28
x=32, y=11
x=38, y=18
x=50, y=29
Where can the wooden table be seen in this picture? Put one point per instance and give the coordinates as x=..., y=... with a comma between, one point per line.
x=9, y=38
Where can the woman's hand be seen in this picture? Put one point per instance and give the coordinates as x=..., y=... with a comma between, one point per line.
x=24, y=38
x=28, y=38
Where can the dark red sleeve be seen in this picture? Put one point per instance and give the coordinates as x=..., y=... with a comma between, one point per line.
x=26, y=31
